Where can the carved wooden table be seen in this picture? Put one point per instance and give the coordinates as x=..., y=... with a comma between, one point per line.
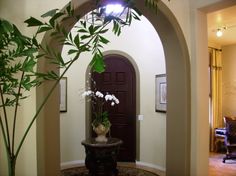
x=101, y=158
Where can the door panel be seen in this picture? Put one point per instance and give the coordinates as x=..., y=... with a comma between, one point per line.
x=119, y=79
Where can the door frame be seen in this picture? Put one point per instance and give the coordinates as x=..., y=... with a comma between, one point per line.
x=137, y=94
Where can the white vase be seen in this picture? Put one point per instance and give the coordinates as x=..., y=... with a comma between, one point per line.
x=101, y=132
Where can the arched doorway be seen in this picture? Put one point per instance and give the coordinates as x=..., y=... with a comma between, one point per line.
x=119, y=79
x=178, y=109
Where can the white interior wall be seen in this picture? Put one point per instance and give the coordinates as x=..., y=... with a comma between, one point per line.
x=142, y=44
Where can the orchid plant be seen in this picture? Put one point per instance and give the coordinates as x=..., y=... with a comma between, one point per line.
x=98, y=101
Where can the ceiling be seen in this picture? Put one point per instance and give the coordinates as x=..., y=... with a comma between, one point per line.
x=222, y=18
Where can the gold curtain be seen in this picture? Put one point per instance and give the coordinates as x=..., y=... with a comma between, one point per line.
x=216, y=118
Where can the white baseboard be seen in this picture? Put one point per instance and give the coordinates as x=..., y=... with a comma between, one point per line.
x=71, y=164
x=151, y=165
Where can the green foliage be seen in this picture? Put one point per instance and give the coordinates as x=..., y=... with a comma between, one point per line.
x=97, y=63
x=102, y=119
x=33, y=22
x=17, y=62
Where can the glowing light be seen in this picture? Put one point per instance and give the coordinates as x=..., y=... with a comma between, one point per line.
x=219, y=33
x=98, y=15
x=114, y=9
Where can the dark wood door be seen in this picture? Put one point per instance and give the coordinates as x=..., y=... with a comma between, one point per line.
x=119, y=79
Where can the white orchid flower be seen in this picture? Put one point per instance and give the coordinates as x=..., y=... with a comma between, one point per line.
x=87, y=93
x=108, y=97
x=117, y=101
x=99, y=94
x=112, y=103
x=114, y=97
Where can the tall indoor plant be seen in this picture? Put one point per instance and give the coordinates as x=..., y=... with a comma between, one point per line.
x=19, y=55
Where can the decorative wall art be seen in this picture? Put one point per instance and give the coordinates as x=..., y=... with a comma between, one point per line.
x=63, y=94
x=161, y=93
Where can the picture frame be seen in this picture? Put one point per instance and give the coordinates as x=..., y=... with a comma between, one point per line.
x=63, y=94
x=161, y=93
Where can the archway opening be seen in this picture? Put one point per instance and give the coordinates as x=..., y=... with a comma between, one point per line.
x=178, y=109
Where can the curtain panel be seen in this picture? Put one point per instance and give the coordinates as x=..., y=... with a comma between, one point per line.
x=215, y=98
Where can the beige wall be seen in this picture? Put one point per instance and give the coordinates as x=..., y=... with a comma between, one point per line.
x=228, y=80
x=199, y=96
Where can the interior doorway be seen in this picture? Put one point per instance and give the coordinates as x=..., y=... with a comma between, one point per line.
x=221, y=41
x=119, y=79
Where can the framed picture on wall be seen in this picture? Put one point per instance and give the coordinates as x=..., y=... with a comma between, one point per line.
x=63, y=94
x=161, y=93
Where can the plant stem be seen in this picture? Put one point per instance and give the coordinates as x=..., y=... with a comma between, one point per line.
x=11, y=166
x=5, y=118
x=16, y=108
x=7, y=147
x=4, y=135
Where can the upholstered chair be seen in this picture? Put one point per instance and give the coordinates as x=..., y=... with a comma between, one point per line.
x=230, y=139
